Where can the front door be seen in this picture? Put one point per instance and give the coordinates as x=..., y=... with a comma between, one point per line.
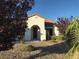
x=35, y=33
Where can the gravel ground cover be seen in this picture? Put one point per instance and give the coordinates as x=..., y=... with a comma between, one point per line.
x=44, y=50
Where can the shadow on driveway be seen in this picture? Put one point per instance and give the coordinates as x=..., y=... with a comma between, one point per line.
x=59, y=48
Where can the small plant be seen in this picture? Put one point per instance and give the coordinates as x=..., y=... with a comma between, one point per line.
x=24, y=47
x=57, y=38
x=30, y=48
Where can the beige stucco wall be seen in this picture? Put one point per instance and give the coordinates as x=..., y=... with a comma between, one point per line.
x=35, y=20
x=56, y=31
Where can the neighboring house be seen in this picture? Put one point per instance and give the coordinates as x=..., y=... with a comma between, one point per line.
x=40, y=28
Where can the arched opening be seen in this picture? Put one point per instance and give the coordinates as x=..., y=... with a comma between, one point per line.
x=35, y=34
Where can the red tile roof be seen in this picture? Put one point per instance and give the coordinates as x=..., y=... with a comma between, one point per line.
x=53, y=23
x=48, y=21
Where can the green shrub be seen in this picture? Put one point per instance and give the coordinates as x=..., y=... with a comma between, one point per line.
x=72, y=33
x=57, y=38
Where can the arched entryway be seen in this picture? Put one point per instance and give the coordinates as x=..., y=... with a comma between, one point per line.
x=35, y=32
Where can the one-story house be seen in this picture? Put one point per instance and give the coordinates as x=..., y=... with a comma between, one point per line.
x=40, y=28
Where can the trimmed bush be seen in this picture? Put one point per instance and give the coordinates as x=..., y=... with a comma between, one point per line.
x=57, y=38
x=30, y=48
x=72, y=33
x=24, y=47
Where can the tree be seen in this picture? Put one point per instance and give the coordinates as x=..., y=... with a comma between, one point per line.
x=63, y=23
x=13, y=16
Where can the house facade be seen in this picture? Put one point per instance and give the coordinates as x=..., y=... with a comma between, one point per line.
x=40, y=28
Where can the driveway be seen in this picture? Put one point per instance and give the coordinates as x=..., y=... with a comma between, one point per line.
x=48, y=50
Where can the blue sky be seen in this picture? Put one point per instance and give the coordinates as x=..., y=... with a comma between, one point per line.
x=56, y=8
